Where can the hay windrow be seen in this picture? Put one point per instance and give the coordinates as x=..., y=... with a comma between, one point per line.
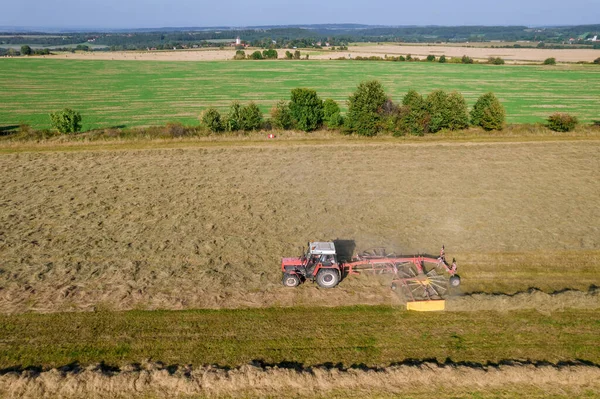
x=161, y=381
x=531, y=299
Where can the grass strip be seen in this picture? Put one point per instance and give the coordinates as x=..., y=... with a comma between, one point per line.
x=285, y=139
x=337, y=336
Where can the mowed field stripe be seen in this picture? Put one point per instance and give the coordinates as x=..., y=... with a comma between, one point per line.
x=360, y=335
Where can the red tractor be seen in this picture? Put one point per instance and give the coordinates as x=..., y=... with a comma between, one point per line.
x=416, y=274
x=319, y=263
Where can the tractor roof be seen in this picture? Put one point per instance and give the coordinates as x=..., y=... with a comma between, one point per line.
x=322, y=248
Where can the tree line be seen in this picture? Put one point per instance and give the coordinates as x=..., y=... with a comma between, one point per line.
x=309, y=36
x=370, y=112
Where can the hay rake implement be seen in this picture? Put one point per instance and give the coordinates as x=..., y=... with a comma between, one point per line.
x=419, y=277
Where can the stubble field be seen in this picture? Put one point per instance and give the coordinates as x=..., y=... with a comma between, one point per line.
x=119, y=234
x=142, y=93
x=206, y=227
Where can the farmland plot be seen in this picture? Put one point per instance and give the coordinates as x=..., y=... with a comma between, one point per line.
x=141, y=93
x=205, y=228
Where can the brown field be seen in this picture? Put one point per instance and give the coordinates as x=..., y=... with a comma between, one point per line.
x=422, y=51
x=478, y=53
x=423, y=380
x=206, y=227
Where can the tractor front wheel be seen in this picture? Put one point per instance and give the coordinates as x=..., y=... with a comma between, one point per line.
x=290, y=280
x=328, y=278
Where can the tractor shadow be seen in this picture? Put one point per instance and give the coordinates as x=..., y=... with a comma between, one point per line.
x=345, y=251
x=8, y=129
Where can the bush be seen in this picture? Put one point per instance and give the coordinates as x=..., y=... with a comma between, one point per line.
x=550, y=61
x=488, y=113
x=256, y=55
x=438, y=111
x=431, y=58
x=240, y=55
x=233, y=121
x=415, y=118
x=365, y=108
x=270, y=54
x=597, y=60
x=307, y=109
x=26, y=50
x=496, y=61
x=281, y=116
x=458, y=115
x=335, y=121
x=288, y=55
x=437, y=107
x=332, y=114
x=211, y=119
x=297, y=54
x=251, y=117
x=330, y=107
x=176, y=129
x=442, y=59
x=561, y=122
x=392, y=117
x=466, y=60
x=66, y=121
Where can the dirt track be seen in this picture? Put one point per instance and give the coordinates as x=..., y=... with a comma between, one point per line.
x=197, y=228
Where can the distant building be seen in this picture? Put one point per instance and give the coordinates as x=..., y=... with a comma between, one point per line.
x=238, y=41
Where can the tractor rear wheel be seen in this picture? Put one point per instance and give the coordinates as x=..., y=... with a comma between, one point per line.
x=328, y=278
x=290, y=280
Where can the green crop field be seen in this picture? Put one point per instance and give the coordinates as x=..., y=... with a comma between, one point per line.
x=369, y=335
x=139, y=93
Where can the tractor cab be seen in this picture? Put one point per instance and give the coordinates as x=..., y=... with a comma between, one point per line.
x=318, y=263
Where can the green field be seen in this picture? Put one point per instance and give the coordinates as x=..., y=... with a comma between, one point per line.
x=136, y=93
x=372, y=336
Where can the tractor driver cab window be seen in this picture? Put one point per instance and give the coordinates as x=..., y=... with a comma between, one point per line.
x=314, y=259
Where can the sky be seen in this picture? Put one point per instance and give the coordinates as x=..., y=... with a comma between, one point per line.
x=120, y=14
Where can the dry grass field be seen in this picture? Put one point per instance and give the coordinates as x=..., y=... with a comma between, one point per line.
x=476, y=52
x=206, y=227
x=512, y=55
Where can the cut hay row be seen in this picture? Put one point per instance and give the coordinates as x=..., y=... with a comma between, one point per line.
x=532, y=299
x=421, y=380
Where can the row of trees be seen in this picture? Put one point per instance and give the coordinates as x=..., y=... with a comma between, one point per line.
x=307, y=112
x=370, y=111
x=270, y=54
x=308, y=36
x=240, y=117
